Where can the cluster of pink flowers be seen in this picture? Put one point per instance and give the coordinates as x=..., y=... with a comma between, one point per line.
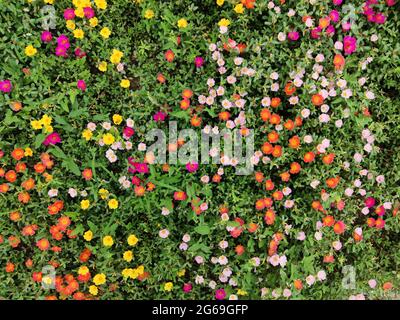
x=373, y=16
x=63, y=45
x=5, y=86
x=137, y=167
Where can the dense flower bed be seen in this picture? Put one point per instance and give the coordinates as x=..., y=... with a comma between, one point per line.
x=86, y=212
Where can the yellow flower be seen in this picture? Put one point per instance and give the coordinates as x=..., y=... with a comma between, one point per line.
x=93, y=22
x=140, y=270
x=108, y=241
x=85, y=204
x=132, y=240
x=36, y=124
x=46, y=120
x=103, y=193
x=48, y=129
x=81, y=3
x=108, y=138
x=113, y=204
x=93, y=290
x=49, y=1
x=87, y=134
x=128, y=256
x=78, y=33
x=47, y=280
x=105, y=32
x=125, y=83
x=28, y=152
x=70, y=25
x=168, y=286
x=30, y=51
x=182, y=23
x=239, y=8
x=83, y=270
x=102, y=66
x=116, y=56
x=99, y=279
x=79, y=12
x=117, y=119
x=224, y=22
x=241, y=292
x=101, y=4
x=149, y=14
x=220, y=2
x=181, y=273
x=88, y=235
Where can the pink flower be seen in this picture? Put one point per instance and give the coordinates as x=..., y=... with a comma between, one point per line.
x=159, y=116
x=337, y=2
x=293, y=35
x=128, y=132
x=5, y=86
x=192, y=167
x=390, y=3
x=63, y=41
x=220, y=294
x=187, y=287
x=69, y=14
x=198, y=61
x=61, y=52
x=380, y=18
x=315, y=33
x=52, y=138
x=88, y=12
x=349, y=44
x=135, y=180
x=79, y=53
x=81, y=84
x=334, y=16
x=46, y=36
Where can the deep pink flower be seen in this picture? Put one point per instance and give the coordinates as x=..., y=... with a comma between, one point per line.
x=390, y=3
x=81, y=84
x=61, y=51
x=316, y=33
x=159, y=116
x=52, y=138
x=187, y=287
x=46, y=36
x=380, y=18
x=330, y=30
x=142, y=168
x=192, y=167
x=369, y=202
x=88, y=12
x=79, y=53
x=220, y=294
x=128, y=132
x=337, y=2
x=136, y=181
x=5, y=86
x=69, y=14
x=198, y=61
x=293, y=35
x=349, y=44
x=63, y=41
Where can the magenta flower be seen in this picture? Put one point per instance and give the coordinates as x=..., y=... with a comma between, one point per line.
x=380, y=18
x=52, y=138
x=46, y=36
x=220, y=294
x=293, y=35
x=69, y=14
x=330, y=30
x=198, y=61
x=5, y=86
x=192, y=167
x=61, y=52
x=63, y=41
x=79, y=53
x=81, y=84
x=316, y=33
x=88, y=12
x=136, y=181
x=187, y=287
x=159, y=116
x=349, y=44
x=390, y=3
x=337, y=2
x=334, y=16
x=128, y=132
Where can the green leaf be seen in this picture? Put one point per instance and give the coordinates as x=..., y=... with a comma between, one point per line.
x=202, y=229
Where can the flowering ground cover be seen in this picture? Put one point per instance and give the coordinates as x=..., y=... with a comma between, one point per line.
x=92, y=207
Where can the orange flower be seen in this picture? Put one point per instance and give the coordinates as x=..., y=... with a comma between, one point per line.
x=328, y=221
x=289, y=125
x=294, y=142
x=268, y=202
x=309, y=157
x=294, y=168
x=224, y=115
x=273, y=137
x=28, y=184
x=18, y=154
x=29, y=230
x=239, y=249
x=317, y=99
x=339, y=61
x=139, y=190
x=298, y=284
x=180, y=195
x=185, y=104
x=269, y=217
x=277, y=195
x=265, y=114
x=63, y=223
x=11, y=176
x=20, y=167
x=87, y=174
x=195, y=121
x=285, y=176
x=249, y=4
x=252, y=227
x=339, y=227
x=39, y=167
x=260, y=204
x=4, y=188
x=387, y=286
x=269, y=185
x=169, y=55
x=267, y=148
x=275, y=102
x=328, y=159
x=275, y=119
x=290, y=89
x=332, y=182
x=161, y=78
x=15, y=216
x=277, y=152
x=324, y=22
x=24, y=197
x=259, y=176
x=187, y=93
x=14, y=241
x=10, y=267
x=43, y=244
